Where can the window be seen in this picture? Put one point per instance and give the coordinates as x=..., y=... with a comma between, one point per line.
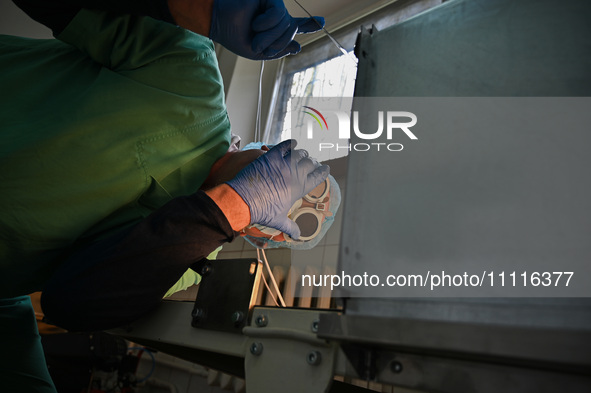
x=321, y=70
x=330, y=78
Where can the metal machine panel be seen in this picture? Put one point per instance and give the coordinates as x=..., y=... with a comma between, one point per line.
x=471, y=48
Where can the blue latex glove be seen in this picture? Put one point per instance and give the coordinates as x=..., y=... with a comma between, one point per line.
x=272, y=183
x=258, y=29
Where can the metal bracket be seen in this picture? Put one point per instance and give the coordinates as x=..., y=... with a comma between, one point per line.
x=281, y=339
x=226, y=294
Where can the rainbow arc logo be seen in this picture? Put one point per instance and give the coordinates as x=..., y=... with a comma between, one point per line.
x=314, y=115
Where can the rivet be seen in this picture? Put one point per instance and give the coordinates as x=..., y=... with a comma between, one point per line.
x=261, y=320
x=315, y=326
x=256, y=348
x=197, y=314
x=205, y=270
x=237, y=317
x=313, y=358
x=396, y=367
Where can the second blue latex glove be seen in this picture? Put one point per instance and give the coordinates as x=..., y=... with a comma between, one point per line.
x=258, y=29
x=271, y=184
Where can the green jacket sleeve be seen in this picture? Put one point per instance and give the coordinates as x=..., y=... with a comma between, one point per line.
x=56, y=14
x=100, y=129
x=129, y=42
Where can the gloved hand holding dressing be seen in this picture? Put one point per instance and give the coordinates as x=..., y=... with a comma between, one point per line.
x=258, y=29
x=271, y=184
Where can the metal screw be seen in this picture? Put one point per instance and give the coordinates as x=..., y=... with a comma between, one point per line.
x=315, y=325
x=237, y=317
x=197, y=314
x=313, y=358
x=206, y=269
x=256, y=348
x=396, y=367
x=261, y=320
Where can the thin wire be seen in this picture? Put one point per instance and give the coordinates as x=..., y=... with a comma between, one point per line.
x=269, y=290
x=265, y=281
x=275, y=286
x=273, y=279
x=146, y=350
x=334, y=41
x=257, y=130
x=90, y=381
x=257, y=136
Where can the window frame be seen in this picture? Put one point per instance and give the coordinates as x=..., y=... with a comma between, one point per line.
x=323, y=49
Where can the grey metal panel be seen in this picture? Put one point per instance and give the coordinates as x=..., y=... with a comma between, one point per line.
x=481, y=48
x=435, y=374
x=551, y=348
x=462, y=357
x=535, y=313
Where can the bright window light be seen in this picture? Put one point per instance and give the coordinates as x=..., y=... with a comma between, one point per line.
x=331, y=78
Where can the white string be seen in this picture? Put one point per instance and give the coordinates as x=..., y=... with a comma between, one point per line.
x=269, y=289
x=273, y=279
x=268, y=267
x=257, y=127
x=265, y=281
x=334, y=41
x=257, y=136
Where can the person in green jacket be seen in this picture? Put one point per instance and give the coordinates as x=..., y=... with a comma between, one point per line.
x=107, y=134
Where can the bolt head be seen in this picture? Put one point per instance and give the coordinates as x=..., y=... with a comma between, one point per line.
x=315, y=325
x=205, y=270
x=261, y=320
x=313, y=358
x=396, y=367
x=237, y=317
x=197, y=314
x=256, y=349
